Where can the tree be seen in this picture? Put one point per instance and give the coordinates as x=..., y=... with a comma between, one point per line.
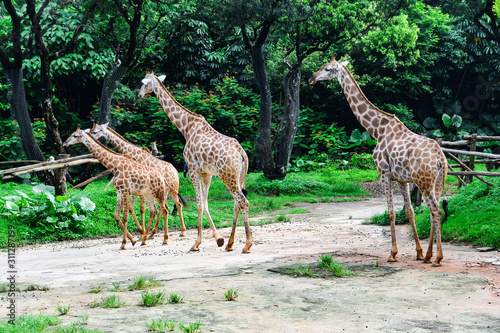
x=38, y=17
x=14, y=70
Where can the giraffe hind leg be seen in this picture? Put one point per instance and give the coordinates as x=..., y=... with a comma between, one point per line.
x=411, y=217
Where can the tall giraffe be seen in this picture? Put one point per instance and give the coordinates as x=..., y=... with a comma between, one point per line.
x=129, y=177
x=400, y=155
x=206, y=153
x=143, y=156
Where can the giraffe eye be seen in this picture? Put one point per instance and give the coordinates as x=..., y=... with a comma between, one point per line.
x=328, y=69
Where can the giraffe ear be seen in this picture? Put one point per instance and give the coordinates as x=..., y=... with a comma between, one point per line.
x=146, y=81
x=104, y=126
x=344, y=63
x=162, y=77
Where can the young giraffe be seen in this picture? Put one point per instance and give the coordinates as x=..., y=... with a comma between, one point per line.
x=206, y=153
x=143, y=156
x=400, y=155
x=129, y=177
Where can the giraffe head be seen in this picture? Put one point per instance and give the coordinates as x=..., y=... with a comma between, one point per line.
x=97, y=131
x=329, y=71
x=147, y=83
x=75, y=137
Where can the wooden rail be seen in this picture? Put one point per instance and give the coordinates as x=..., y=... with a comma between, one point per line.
x=467, y=171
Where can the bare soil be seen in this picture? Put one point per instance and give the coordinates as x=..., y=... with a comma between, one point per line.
x=408, y=296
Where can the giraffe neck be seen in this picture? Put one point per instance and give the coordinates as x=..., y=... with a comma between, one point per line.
x=369, y=116
x=183, y=119
x=107, y=157
x=118, y=141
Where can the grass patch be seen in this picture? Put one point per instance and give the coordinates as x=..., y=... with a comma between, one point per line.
x=153, y=299
x=110, y=302
x=144, y=282
x=96, y=289
x=298, y=211
x=161, y=326
x=63, y=309
x=35, y=287
x=326, y=268
x=191, y=328
x=30, y=323
x=231, y=294
x=175, y=299
x=383, y=219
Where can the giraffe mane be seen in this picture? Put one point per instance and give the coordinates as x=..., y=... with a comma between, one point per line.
x=172, y=97
x=368, y=101
x=100, y=144
x=122, y=138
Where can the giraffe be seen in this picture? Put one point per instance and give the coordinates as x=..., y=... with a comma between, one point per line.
x=399, y=155
x=129, y=177
x=143, y=156
x=207, y=153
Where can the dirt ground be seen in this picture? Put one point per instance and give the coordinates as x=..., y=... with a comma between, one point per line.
x=461, y=296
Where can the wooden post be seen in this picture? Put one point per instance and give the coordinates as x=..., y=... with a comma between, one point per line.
x=473, y=143
x=154, y=149
x=60, y=177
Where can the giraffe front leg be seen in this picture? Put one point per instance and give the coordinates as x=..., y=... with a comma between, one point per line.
x=132, y=212
x=195, y=179
x=116, y=216
x=206, y=186
x=152, y=213
x=411, y=217
x=386, y=185
x=433, y=205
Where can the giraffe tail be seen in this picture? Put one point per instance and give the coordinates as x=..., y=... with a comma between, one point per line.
x=445, y=209
x=245, y=192
x=183, y=202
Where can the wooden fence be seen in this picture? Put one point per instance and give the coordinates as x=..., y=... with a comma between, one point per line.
x=466, y=159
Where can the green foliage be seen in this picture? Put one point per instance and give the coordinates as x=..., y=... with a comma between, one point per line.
x=42, y=212
x=10, y=144
x=473, y=215
x=63, y=309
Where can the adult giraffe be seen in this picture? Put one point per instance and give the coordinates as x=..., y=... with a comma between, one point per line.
x=400, y=155
x=206, y=153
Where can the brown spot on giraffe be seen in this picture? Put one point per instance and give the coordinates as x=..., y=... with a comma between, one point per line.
x=400, y=155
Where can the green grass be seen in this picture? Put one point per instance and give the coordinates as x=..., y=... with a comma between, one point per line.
x=111, y=302
x=161, y=326
x=474, y=215
x=30, y=323
x=265, y=196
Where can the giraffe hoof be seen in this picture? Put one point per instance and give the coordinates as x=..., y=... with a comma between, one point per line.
x=182, y=235
x=245, y=251
x=392, y=260
x=194, y=249
x=436, y=264
x=165, y=243
x=220, y=242
x=229, y=248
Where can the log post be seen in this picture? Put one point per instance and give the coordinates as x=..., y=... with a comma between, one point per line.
x=473, y=143
x=154, y=149
x=60, y=177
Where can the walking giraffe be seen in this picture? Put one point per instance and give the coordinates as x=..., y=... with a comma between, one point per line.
x=143, y=156
x=129, y=177
x=400, y=155
x=206, y=153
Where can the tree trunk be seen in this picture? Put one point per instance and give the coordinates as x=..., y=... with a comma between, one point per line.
x=111, y=82
x=48, y=111
x=19, y=112
x=290, y=119
x=263, y=146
